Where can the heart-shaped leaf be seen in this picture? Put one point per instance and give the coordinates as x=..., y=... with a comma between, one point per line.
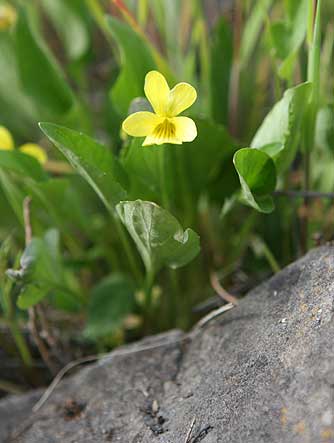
x=257, y=175
x=160, y=239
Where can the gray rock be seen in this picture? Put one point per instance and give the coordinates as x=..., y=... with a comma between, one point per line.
x=262, y=373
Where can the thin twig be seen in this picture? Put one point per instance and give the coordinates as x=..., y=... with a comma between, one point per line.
x=212, y=315
x=46, y=331
x=188, y=437
x=27, y=220
x=304, y=194
x=125, y=352
x=58, y=167
x=215, y=283
x=43, y=350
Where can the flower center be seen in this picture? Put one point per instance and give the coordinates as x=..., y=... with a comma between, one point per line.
x=166, y=129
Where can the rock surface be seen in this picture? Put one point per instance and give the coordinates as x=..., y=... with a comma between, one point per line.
x=262, y=373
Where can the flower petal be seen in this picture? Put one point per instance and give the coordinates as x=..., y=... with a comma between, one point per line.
x=164, y=132
x=140, y=124
x=185, y=128
x=154, y=140
x=181, y=97
x=34, y=151
x=157, y=91
x=6, y=139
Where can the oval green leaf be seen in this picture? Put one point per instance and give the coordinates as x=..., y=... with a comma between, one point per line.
x=282, y=125
x=257, y=175
x=159, y=237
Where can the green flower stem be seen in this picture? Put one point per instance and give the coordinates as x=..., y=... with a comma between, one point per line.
x=313, y=75
x=174, y=297
x=203, y=44
x=187, y=196
x=143, y=12
x=14, y=329
x=98, y=13
x=174, y=286
x=21, y=344
x=127, y=247
x=275, y=267
x=163, y=179
x=149, y=280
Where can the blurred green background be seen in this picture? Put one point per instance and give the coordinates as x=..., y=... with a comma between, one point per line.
x=263, y=74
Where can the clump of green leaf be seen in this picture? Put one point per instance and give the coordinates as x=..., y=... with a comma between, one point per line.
x=121, y=231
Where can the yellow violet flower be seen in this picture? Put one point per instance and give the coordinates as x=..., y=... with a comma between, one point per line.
x=34, y=151
x=7, y=16
x=6, y=139
x=163, y=126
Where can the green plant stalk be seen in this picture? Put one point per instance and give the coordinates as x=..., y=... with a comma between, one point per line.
x=313, y=75
x=126, y=245
x=15, y=330
x=174, y=297
x=326, y=59
x=174, y=286
x=187, y=197
x=97, y=12
x=204, y=56
x=236, y=69
x=149, y=280
x=163, y=181
x=142, y=12
x=313, y=72
x=21, y=344
x=130, y=19
x=271, y=259
x=242, y=240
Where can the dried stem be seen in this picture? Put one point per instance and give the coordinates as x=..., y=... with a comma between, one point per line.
x=33, y=327
x=27, y=220
x=215, y=283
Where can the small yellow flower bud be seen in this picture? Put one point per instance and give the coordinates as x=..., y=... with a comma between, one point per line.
x=35, y=151
x=8, y=16
x=6, y=139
